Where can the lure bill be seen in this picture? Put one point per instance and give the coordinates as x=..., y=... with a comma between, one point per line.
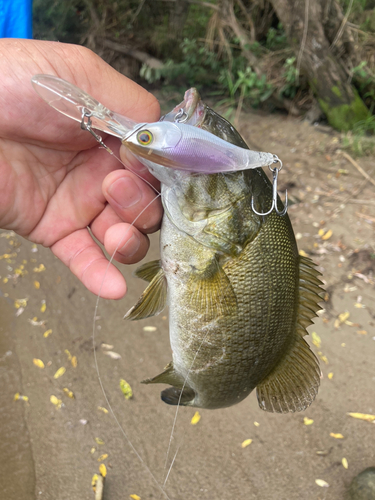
x=174, y=145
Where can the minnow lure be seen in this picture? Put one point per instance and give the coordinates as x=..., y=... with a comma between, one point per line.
x=175, y=145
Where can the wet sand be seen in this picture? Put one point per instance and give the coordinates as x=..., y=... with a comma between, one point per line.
x=48, y=452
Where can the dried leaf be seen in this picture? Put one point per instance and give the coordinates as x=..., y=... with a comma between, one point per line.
x=308, y=421
x=103, y=457
x=43, y=307
x=343, y=316
x=113, y=355
x=359, y=305
x=18, y=396
x=74, y=361
x=345, y=463
x=196, y=418
x=257, y=424
x=246, y=443
x=336, y=436
x=68, y=354
x=47, y=333
x=93, y=450
x=60, y=372
x=126, y=389
x=362, y=332
x=149, y=328
x=103, y=470
x=99, y=441
x=322, y=483
x=107, y=346
x=36, y=285
x=38, y=362
x=363, y=416
x=316, y=340
x=20, y=303
x=135, y=497
x=330, y=375
x=101, y=408
x=302, y=253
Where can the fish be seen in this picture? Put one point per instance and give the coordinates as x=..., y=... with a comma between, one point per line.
x=240, y=296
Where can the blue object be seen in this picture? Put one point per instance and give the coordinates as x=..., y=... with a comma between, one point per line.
x=16, y=20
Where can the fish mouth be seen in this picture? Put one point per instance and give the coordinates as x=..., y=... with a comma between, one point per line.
x=190, y=111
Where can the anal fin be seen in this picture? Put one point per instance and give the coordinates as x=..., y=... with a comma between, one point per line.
x=293, y=383
x=153, y=299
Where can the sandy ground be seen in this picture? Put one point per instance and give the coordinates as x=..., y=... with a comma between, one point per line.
x=50, y=451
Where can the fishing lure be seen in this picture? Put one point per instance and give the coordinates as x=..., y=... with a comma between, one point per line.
x=174, y=145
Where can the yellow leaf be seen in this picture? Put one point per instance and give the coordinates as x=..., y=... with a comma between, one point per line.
x=343, y=316
x=74, y=361
x=336, y=436
x=363, y=416
x=17, y=396
x=99, y=441
x=308, y=421
x=93, y=450
x=359, y=305
x=135, y=497
x=316, y=340
x=323, y=357
x=94, y=480
x=257, y=424
x=103, y=457
x=5, y=280
x=345, y=463
x=47, y=332
x=60, y=372
x=302, y=253
x=68, y=393
x=362, y=332
x=36, y=285
x=330, y=375
x=43, y=307
x=196, y=418
x=55, y=401
x=104, y=410
x=103, y=470
x=126, y=389
x=246, y=443
x=321, y=232
x=39, y=269
x=38, y=362
x=327, y=235
x=321, y=483
x=68, y=354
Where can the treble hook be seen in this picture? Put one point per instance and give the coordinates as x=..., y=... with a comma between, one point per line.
x=275, y=173
x=87, y=126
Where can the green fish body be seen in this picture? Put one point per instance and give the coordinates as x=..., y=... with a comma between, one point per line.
x=239, y=294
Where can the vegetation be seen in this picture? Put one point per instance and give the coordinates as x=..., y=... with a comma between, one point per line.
x=247, y=52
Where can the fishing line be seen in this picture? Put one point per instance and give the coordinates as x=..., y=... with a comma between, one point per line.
x=94, y=330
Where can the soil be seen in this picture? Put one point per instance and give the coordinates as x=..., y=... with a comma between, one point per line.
x=50, y=450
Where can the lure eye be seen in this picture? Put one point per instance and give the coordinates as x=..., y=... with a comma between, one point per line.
x=144, y=137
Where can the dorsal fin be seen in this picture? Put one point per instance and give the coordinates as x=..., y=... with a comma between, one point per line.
x=293, y=383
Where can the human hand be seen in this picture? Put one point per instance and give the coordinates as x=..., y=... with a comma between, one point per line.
x=56, y=180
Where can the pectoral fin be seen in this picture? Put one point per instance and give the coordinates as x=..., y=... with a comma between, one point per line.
x=293, y=383
x=148, y=271
x=153, y=299
x=211, y=292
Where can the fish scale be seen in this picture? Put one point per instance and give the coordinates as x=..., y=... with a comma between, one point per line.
x=239, y=295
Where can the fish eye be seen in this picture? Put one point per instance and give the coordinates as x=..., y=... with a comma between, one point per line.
x=144, y=137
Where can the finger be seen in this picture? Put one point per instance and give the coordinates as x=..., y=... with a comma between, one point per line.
x=103, y=222
x=133, y=200
x=84, y=258
x=125, y=243
x=137, y=167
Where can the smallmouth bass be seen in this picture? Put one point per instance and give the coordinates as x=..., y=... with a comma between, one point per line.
x=239, y=295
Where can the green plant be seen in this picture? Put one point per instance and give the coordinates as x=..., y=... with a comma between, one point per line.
x=290, y=75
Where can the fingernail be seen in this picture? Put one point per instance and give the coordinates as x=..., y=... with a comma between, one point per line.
x=125, y=192
x=131, y=246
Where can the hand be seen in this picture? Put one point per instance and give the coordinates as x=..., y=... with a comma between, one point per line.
x=56, y=180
